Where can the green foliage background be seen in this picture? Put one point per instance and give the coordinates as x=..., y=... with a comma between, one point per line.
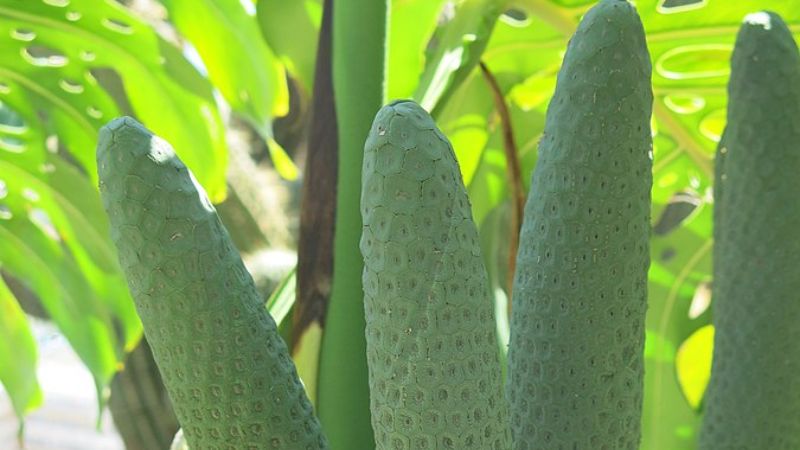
x=69, y=66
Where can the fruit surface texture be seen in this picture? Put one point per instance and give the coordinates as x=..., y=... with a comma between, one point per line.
x=434, y=370
x=575, y=374
x=753, y=397
x=227, y=371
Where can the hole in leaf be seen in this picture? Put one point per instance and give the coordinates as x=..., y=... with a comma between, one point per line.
x=701, y=300
x=42, y=221
x=87, y=55
x=117, y=25
x=41, y=55
x=3, y=189
x=110, y=80
x=70, y=86
x=676, y=6
x=5, y=213
x=51, y=143
x=73, y=16
x=11, y=144
x=94, y=112
x=59, y=3
x=23, y=34
x=680, y=206
x=515, y=17
x=695, y=61
x=10, y=121
x=667, y=254
x=30, y=195
x=684, y=104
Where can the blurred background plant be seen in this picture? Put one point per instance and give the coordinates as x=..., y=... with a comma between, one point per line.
x=268, y=102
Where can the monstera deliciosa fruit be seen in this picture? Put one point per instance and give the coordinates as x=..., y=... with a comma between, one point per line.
x=434, y=372
x=576, y=370
x=226, y=368
x=753, y=398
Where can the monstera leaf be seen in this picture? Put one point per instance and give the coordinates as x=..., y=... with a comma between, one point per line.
x=69, y=66
x=292, y=29
x=239, y=64
x=18, y=348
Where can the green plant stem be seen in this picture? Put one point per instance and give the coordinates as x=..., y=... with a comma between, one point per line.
x=359, y=45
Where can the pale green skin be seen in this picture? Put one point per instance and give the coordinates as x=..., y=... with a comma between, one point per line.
x=576, y=372
x=434, y=370
x=226, y=369
x=753, y=397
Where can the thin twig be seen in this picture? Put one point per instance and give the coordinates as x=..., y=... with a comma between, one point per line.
x=514, y=175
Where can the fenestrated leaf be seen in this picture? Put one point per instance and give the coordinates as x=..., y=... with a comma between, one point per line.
x=55, y=240
x=35, y=256
x=64, y=205
x=69, y=201
x=54, y=84
x=55, y=48
x=17, y=355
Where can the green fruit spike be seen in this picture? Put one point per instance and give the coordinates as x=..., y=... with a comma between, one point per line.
x=227, y=371
x=575, y=375
x=434, y=371
x=753, y=397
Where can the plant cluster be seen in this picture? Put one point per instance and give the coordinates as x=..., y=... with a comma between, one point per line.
x=575, y=364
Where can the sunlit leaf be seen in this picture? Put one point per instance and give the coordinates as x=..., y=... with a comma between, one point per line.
x=238, y=60
x=457, y=48
x=291, y=29
x=76, y=223
x=69, y=67
x=54, y=52
x=411, y=24
x=282, y=299
x=693, y=364
x=30, y=254
x=17, y=355
x=282, y=162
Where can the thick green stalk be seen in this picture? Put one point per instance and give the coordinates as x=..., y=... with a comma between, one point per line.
x=576, y=371
x=359, y=45
x=753, y=396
